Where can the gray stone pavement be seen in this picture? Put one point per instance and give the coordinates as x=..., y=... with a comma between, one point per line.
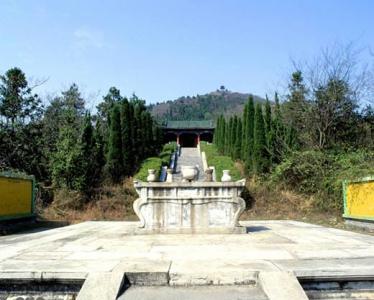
x=189, y=157
x=83, y=250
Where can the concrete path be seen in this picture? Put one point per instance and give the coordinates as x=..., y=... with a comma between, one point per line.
x=189, y=157
x=103, y=253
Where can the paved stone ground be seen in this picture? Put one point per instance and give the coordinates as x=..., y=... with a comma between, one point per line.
x=189, y=157
x=100, y=251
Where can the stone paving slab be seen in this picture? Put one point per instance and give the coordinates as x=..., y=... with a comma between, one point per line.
x=78, y=251
x=196, y=293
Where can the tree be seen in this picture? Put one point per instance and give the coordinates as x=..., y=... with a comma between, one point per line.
x=260, y=153
x=127, y=142
x=21, y=136
x=115, y=158
x=245, y=133
x=228, y=136
x=297, y=107
x=238, y=141
x=89, y=156
x=333, y=114
x=268, y=120
x=249, y=144
x=17, y=103
x=222, y=134
x=233, y=136
x=67, y=164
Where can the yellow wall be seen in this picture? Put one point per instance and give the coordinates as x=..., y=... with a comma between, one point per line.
x=15, y=196
x=360, y=199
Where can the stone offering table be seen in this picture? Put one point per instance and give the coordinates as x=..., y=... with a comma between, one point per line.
x=190, y=207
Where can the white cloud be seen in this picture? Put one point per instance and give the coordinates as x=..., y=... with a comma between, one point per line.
x=85, y=38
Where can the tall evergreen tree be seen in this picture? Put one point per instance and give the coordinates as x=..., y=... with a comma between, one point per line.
x=115, y=158
x=277, y=134
x=67, y=163
x=238, y=141
x=229, y=136
x=126, y=138
x=222, y=134
x=260, y=153
x=245, y=133
x=89, y=161
x=267, y=119
x=250, y=134
x=233, y=136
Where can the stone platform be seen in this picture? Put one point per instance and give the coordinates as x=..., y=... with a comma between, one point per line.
x=271, y=256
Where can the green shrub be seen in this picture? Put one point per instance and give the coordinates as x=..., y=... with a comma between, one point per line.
x=156, y=163
x=149, y=163
x=322, y=173
x=219, y=162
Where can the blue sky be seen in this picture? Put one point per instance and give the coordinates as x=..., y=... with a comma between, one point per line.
x=168, y=48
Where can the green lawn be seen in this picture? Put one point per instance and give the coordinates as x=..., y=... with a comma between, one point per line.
x=220, y=162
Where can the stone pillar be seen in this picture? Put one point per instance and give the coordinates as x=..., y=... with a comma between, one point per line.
x=198, y=138
x=177, y=139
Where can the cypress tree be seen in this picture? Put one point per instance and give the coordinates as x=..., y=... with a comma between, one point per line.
x=115, y=158
x=260, y=153
x=222, y=134
x=267, y=119
x=126, y=137
x=88, y=159
x=217, y=132
x=250, y=134
x=151, y=145
x=233, y=136
x=276, y=137
x=238, y=142
x=244, y=145
x=99, y=150
x=229, y=137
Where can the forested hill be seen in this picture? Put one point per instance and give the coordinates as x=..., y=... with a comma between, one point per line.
x=202, y=107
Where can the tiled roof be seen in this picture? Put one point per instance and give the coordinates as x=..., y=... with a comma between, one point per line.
x=209, y=124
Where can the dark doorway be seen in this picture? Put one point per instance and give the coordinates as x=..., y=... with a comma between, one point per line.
x=188, y=140
x=170, y=137
x=206, y=137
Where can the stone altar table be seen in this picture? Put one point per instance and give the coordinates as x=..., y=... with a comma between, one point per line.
x=190, y=207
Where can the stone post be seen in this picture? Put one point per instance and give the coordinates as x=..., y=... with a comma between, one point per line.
x=169, y=177
x=209, y=175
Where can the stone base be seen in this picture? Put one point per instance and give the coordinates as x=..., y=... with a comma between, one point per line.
x=198, y=230
x=365, y=225
x=190, y=207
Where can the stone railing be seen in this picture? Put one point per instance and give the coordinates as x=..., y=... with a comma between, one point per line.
x=190, y=207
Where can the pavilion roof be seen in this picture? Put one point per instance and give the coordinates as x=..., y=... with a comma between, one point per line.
x=205, y=124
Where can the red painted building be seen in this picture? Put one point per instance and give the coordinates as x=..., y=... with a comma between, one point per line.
x=188, y=133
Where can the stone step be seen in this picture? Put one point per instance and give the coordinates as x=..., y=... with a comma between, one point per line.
x=189, y=157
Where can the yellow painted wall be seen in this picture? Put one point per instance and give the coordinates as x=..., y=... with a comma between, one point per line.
x=360, y=199
x=15, y=196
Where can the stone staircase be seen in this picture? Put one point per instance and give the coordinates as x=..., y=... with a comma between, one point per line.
x=189, y=157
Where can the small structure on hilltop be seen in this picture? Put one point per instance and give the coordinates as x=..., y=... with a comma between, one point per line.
x=188, y=133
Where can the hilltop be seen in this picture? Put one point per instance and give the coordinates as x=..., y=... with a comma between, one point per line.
x=202, y=107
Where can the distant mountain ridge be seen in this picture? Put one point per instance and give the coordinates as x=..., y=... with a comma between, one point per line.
x=202, y=107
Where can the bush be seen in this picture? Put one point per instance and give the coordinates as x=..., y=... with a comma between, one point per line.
x=322, y=173
x=149, y=163
x=219, y=162
x=156, y=162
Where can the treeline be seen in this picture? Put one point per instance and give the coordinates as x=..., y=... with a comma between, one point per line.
x=267, y=134
x=65, y=146
x=321, y=133
x=259, y=137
